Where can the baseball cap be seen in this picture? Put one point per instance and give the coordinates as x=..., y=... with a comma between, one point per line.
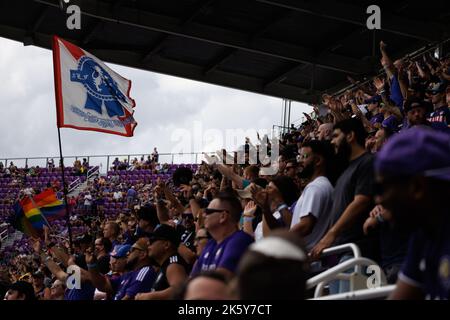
x=166, y=232
x=416, y=151
x=438, y=88
x=120, y=251
x=140, y=244
x=38, y=274
x=245, y=193
x=148, y=213
x=25, y=288
x=374, y=99
x=412, y=103
x=86, y=239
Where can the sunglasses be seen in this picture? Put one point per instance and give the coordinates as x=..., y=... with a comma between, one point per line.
x=209, y=211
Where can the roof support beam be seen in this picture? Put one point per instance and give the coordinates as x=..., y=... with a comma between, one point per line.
x=181, y=69
x=193, y=13
x=357, y=15
x=227, y=53
x=170, y=25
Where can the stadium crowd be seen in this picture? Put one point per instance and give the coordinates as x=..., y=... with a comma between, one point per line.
x=370, y=166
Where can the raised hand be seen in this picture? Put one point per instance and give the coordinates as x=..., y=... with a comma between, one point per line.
x=36, y=242
x=379, y=83
x=89, y=256
x=250, y=208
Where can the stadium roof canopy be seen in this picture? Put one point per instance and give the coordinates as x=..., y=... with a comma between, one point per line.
x=294, y=49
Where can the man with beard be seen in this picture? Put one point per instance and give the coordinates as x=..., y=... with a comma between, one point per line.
x=414, y=182
x=311, y=218
x=140, y=278
x=416, y=115
x=353, y=193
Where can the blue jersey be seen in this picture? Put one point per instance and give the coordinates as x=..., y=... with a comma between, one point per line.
x=86, y=292
x=134, y=282
x=427, y=264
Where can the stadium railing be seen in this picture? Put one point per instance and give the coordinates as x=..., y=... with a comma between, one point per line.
x=3, y=235
x=100, y=160
x=357, y=279
x=365, y=294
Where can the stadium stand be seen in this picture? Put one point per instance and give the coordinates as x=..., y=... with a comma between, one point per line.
x=342, y=247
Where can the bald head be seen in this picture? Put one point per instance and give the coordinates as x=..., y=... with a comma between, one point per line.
x=325, y=131
x=206, y=288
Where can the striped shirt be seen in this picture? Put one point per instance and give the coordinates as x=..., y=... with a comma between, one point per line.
x=134, y=282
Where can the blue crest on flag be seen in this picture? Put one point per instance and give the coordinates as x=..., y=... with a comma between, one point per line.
x=100, y=87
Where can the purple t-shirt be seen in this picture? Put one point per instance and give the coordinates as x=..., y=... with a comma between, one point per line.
x=378, y=118
x=428, y=260
x=223, y=255
x=134, y=282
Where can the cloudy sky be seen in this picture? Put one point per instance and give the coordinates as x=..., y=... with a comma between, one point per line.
x=173, y=114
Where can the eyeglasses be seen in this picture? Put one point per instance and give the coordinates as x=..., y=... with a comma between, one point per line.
x=200, y=238
x=209, y=211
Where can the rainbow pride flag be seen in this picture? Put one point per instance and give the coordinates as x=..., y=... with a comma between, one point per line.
x=22, y=223
x=51, y=207
x=33, y=213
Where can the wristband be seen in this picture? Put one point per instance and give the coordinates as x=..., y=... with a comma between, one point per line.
x=380, y=218
x=248, y=219
x=281, y=207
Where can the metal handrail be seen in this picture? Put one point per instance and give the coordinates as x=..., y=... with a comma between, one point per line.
x=341, y=249
x=92, y=171
x=74, y=184
x=4, y=235
x=364, y=294
x=330, y=274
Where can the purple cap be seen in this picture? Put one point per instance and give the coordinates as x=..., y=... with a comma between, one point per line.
x=416, y=151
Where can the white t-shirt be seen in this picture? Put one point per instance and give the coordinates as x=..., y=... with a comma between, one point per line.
x=117, y=195
x=259, y=227
x=316, y=199
x=87, y=200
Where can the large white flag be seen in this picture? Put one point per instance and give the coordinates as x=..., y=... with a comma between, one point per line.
x=89, y=95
